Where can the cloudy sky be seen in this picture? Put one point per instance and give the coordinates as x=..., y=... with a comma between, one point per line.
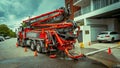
x=12, y=12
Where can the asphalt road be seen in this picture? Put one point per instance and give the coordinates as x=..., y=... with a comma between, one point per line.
x=13, y=57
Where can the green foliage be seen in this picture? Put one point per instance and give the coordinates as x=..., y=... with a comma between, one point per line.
x=5, y=31
x=23, y=24
x=12, y=34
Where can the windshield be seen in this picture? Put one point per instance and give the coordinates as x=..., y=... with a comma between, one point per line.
x=103, y=33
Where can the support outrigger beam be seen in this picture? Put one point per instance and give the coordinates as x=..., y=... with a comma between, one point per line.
x=97, y=51
x=87, y=54
x=71, y=56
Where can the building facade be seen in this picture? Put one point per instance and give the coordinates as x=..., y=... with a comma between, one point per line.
x=72, y=8
x=96, y=16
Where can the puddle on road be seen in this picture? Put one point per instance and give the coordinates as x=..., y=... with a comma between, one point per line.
x=46, y=62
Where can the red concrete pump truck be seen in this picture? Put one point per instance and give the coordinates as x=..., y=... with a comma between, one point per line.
x=49, y=33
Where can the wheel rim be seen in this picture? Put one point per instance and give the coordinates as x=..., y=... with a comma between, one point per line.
x=32, y=46
x=38, y=48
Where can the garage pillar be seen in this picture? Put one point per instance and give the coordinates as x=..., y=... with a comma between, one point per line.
x=86, y=34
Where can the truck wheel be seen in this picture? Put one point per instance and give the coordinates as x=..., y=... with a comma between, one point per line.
x=23, y=43
x=39, y=48
x=18, y=41
x=32, y=46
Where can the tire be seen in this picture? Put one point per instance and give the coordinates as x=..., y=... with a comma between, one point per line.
x=18, y=41
x=112, y=40
x=99, y=41
x=23, y=44
x=42, y=44
x=39, y=48
x=32, y=46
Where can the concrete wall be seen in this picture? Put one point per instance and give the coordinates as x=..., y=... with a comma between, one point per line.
x=109, y=22
x=98, y=25
x=117, y=25
x=98, y=11
x=86, y=34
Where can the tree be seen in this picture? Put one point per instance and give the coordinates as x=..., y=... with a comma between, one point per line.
x=5, y=31
x=11, y=33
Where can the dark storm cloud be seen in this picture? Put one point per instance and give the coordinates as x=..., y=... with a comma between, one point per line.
x=2, y=14
x=12, y=12
x=19, y=8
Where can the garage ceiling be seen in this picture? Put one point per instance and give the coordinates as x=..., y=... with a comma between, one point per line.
x=111, y=14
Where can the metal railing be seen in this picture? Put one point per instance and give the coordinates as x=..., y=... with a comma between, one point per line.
x=86, y=9
x=82, y=11
x=97, y=4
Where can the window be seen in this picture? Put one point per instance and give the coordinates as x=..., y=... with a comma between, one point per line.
x=68, y=5
x=86, y=31
x=114, y=1
x=102, y=3
x=103, y=33
x=113, y=33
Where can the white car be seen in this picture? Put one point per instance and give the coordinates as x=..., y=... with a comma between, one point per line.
x=2, y=38
x=7, y=37
x=108, y=36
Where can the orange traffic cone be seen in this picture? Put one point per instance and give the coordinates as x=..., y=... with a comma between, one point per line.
x=109, y=51
x=25, y=49
x=16, y=44
x=35, y=53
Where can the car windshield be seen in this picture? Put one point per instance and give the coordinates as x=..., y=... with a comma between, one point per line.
x=103, y=33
